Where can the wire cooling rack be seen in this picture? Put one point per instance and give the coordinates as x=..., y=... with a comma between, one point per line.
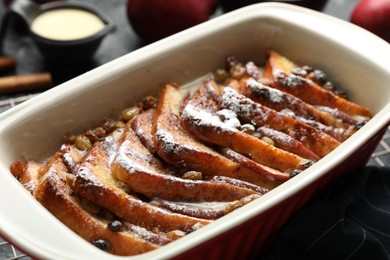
x=380, y=157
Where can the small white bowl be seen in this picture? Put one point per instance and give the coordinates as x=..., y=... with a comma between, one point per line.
x=351, y=56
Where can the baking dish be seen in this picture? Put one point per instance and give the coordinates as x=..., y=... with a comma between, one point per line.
x=352, y=57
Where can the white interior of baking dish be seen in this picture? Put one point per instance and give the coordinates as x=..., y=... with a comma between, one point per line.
x=352, y=57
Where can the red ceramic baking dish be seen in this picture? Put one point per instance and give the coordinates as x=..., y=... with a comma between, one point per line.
x=354, y=58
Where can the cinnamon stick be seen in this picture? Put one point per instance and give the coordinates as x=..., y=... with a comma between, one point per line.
x=22, y=83
x=7, y=63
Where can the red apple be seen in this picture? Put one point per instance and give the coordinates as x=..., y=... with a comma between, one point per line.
x=156, y=19
x=374, y=16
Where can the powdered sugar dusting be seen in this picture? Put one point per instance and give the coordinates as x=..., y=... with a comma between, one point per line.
x=88, y=178
x=203, y=118
x=229, y=118
x=110, y=146
x=289, y=81
x=208, y=210
x=130, y=165
x=242, y=106
x=30, y=186
x=147, y=235
x=274, y=95
x=135, y=162
x=69, y=162
x=167, y=142
x=287, y=112
x=180, y=144
x=277, y=136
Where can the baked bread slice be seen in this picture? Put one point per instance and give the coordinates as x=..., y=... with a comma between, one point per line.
x=202, y=118
x=133, y=166
x=142, y=126
x=56, y=196
x=249, y=111
x=279, y=69
x=27, y=173
x=296, y=108
x=207, y=210
x=178, y=147
x=95, y=182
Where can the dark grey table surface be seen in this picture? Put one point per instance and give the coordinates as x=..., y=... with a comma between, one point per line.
x=123, y=40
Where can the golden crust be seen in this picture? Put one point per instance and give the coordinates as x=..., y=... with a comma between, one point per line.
x=26, y=173
x=132, y=166
x=300, y=110
x=142, y=125
x=249, y=111
x=176, y=146
x=279, y=68
x=54, y=194
x=209, y=210
x=94, y=182
x=200, y=118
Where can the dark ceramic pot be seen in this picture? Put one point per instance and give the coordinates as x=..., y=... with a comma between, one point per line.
x=66, y=50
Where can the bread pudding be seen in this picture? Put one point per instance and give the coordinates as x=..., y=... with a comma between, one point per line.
x=169, y=165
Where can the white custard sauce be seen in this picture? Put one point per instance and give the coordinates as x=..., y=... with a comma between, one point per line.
x=66, y=24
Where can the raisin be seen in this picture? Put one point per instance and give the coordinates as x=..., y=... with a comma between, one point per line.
x=262, y=93
x=237, y=71
x=175, y=234
x=90, y=134
x=109, y=126
x=320, y=77
x=129, y=113
x=192, y=175
x=295, y=173
x=329, y=86
x=299, y=72
x=231, y=61
x=82, y=142
x=102, y=244
x=307, y=68
x=148, y=102
x=115, y=226
x=221, y=75
x=341, y=93
x=268, y=140
x=307, y=164
x=359, y=125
